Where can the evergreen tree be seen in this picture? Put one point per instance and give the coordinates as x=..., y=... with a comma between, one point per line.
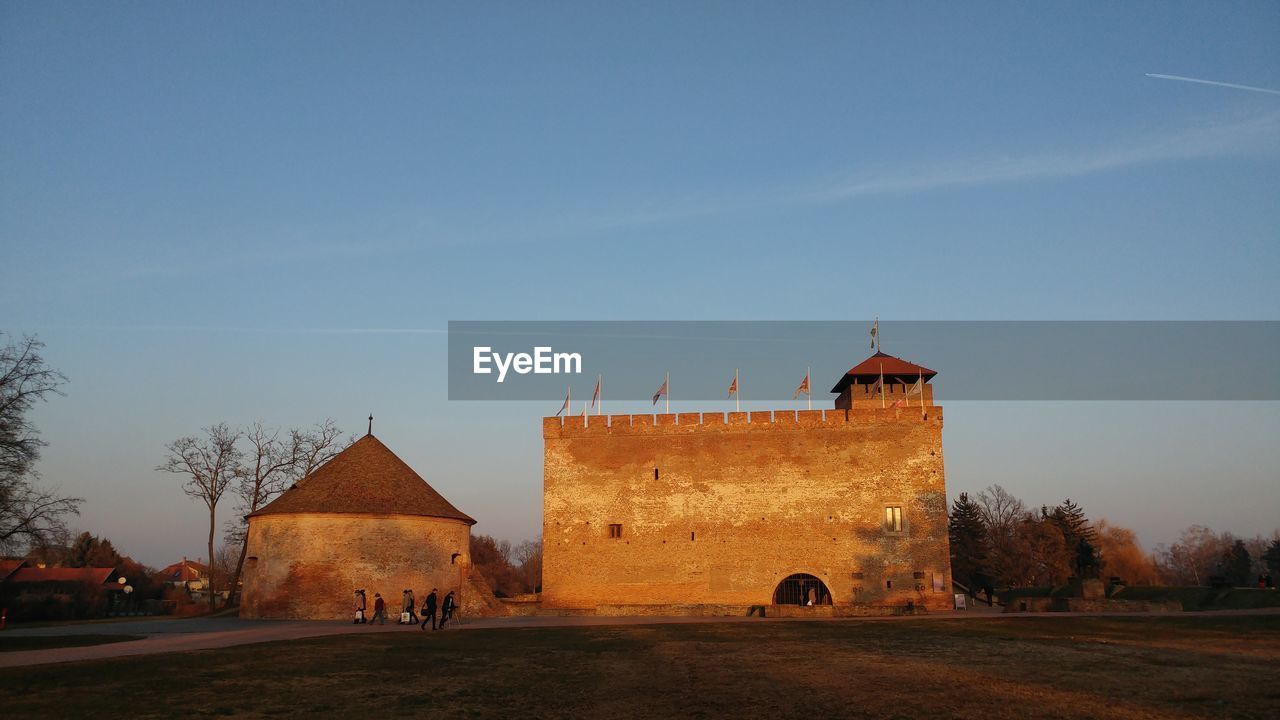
x=968, y=534
x=1272, y=556
x=89, y=550
x=1080, y=536
x=1236, y=564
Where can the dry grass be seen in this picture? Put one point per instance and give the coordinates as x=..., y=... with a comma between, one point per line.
x=11, y=643
x=1165, y=667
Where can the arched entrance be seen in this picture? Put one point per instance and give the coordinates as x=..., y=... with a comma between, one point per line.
x=801, y=589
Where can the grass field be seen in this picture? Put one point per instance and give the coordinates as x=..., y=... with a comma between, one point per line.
x=1130, y=667
x=9, y=643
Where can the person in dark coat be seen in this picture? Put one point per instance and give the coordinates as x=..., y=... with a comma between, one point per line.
x=446, y=609
x=429, y=610
x=379, y=610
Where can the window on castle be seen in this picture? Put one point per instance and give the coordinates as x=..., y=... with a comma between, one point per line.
x=893, y=519
x=615, y=531
x=655, y=473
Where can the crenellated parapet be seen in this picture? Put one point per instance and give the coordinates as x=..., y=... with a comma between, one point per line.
x=735, y=422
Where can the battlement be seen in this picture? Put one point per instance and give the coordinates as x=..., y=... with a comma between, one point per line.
x=719, y=422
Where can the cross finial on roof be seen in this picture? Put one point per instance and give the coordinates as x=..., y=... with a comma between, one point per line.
x=370, y=423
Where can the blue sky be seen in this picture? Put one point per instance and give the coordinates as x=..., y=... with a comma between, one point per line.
x=188, y=193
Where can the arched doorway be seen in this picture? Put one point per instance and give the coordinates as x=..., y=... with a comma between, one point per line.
x=800, y=589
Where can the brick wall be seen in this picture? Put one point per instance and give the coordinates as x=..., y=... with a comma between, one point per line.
x=740, y=502
x=308, y=565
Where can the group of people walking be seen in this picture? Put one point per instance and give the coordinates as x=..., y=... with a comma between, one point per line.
x=446, y=608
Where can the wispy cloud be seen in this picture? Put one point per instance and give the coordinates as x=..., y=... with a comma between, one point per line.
x=1209, y=140
x=1251, y=88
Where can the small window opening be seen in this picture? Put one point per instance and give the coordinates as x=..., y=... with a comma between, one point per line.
x=888, y=584
x=655, y=473
x=615, y=531
x=690, y=536
x=893, y=518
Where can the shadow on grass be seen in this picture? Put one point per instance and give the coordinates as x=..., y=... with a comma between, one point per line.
x=45, y=642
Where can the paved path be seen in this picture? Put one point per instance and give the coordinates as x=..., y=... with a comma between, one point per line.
x=183, y=635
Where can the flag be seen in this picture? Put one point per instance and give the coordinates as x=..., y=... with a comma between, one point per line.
x=804, y=387
x=595, y=396
x=917, y=387
x=565, y=407
x=733, y=386
x=875, y=332
x=661, y=391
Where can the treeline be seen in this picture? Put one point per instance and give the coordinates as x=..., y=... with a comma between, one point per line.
x=997, y=541
x=510, y=570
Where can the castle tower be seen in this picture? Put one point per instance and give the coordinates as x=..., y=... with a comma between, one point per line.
x=719, y=512
x=857, y=388
x=363, y=520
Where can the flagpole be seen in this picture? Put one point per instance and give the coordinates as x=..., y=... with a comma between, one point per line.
x=809, y=382
x=568, y=403
x=922, y=395
x=600, y=384
x=668, y=395
x=737, y=392
x=881, y=371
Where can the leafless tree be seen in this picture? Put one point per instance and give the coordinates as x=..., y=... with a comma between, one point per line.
x=1005, y=518
x=1194, y=557
x=209, y=465
x=224, y=566
x=1001, y=511
x=265, y=473
x=316, y=446
x=29, y=514
x=272, y=464
x=528, y=556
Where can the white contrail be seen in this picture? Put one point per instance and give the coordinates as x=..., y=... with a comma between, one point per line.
x=1214, y=82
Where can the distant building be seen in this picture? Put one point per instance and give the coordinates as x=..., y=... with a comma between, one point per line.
x=186, y=575
x=364, y=520
x=845, y=507
x=59, y=592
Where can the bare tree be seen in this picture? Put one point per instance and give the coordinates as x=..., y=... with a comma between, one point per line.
x=1194, y=557
x=209, y=465
x=29, y=514
x=272, y=465
x=224, y=566
x=265, y=474
x=528, y=555
x=316, y=446
x=1000, y=510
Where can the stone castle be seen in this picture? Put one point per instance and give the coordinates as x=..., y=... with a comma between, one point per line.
x=844, y=507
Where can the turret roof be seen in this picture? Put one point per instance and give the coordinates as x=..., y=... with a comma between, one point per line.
x=365, y=478
x=891, y=366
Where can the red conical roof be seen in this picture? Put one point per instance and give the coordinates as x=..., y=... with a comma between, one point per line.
x=365, y=478
x=870, y=369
